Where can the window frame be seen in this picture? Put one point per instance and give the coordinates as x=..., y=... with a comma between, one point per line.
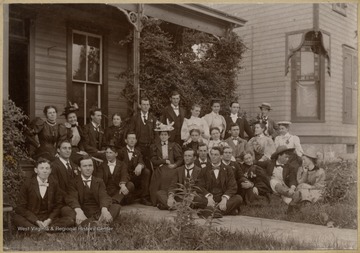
x=351, y=51
x=101, y=57
x=93, y=30
x=321, y=96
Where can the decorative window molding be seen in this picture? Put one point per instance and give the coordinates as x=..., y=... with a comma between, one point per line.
x=340, y=8
x=295, y=40
x=307, y=54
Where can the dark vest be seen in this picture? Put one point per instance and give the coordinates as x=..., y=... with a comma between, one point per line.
x=44, y=204
x=144, y=133
x=111, y=186
x=90, y=204
x=177, y=125
x=216, y=190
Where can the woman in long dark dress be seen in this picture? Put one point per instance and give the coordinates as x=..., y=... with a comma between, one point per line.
x=256, y=183
x=115, y=134
x=48, y=132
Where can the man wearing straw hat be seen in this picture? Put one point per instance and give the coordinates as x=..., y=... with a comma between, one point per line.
x=282, y=176
x=271, y=126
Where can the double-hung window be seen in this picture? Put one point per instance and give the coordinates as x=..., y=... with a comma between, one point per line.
x=87, y=72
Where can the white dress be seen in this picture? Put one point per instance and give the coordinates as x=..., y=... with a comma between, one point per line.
x=194, y=123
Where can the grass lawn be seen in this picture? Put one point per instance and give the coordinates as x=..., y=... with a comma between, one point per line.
x=131, y=232
x=340, y=206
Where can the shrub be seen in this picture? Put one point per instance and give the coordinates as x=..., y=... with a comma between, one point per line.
x=168, y=62
x=14, y=149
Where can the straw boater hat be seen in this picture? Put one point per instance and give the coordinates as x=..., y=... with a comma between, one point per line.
x=284, y=123
x=160, y=127
x=311, y=152
x=280, y=150
x=266, y=106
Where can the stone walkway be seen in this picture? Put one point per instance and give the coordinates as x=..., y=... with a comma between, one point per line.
x=282, y=230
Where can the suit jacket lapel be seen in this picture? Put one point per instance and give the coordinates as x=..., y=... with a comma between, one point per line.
x=222, y=173
x=195, y=173
x=80, y=188
x=63, y=170
x=35, y=185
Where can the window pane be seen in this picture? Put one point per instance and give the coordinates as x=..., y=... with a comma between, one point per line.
x=93, y=59
x=307, y=65
x=78, y=97
x=306, y=99
x=79, y=57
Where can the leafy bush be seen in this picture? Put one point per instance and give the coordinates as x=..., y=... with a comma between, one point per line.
x=341, y=182
x=14, y=149
x=168, y=62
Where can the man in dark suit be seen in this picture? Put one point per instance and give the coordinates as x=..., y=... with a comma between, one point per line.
x=115, y=176
x=227, y=156
x=63, y=170
x=166, y=157
x=282, y=176
x=143, y=124
x=88, y=198
x=219, y=185
x=203, y=160
x=240, y=121
x=271, y=127
x=175, y=114
x=139, y=175
x=40, y=201
x=183, y=175
x=93, y=135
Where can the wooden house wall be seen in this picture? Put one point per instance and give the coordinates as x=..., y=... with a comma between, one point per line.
x=50, y=50
x=264, y=37
x=265, y=34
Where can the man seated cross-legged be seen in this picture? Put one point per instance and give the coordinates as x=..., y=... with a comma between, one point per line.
x=88, y=198
x=40, y=202
x=183, y=175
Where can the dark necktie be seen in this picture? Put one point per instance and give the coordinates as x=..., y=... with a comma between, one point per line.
x=215, y=167
x=280, y=165
x=145, y=119
x=130, y=151
x=163, y=143
x=188, y=173
x=68, y=169
x=86, y=183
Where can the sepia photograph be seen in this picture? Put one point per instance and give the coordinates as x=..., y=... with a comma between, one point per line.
x=180, y=126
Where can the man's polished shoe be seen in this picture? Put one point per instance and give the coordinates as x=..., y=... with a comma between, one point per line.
x=145, y=202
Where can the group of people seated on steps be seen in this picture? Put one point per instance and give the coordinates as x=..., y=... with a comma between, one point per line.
x=84, y=174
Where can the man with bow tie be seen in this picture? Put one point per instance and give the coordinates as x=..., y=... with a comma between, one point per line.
x=234, y=117
x=115, y=176
x=282, y=176
x=189, y=171
x=237, y=144
x=88, y=197
x=139, y=174
x=63, y=169
x=219, y=185
x=203, y=160
x=40, y=201
x=143, y=124
x=271, y=127
x=174, y=113
x=93, y=135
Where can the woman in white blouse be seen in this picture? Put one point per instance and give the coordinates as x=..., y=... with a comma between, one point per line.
x=194, y=122
x=290, y=141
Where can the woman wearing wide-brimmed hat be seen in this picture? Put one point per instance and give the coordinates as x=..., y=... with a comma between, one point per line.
x=166, y=156
x=74, y=132
x=290, y=141
x=310, y=177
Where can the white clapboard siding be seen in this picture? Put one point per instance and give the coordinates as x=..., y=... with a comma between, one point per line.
x=264, y=35
x=50, y=63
